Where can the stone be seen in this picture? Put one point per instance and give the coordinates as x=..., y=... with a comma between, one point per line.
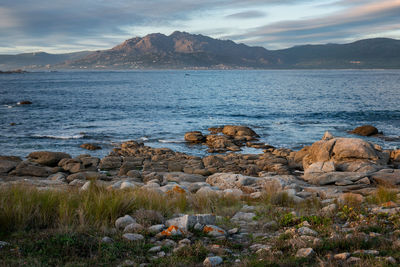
x=307, y=231
x=206, y=191
x=155, y=249
x=366, y=252
x=342, y=256
x=194, y=137
x=387, y=177
x=8, y=163
x=24, y=102
x=133, y=228
x=47, y=158
x=243, y=216
x=235, y=130
x=127, y=185
x=172, y=231
x=59, y=176
x=107, y=240
x=128, y=166
x=365, y=130
x=133, y=237
x=29, y=169
x=344, y=150
x=332, y=177
x=305, y=253
x=188, y=221
x=89, y=146
x=110, y=163
x=180, y=177
x=72, y=165
x=331, y=208
x=236, y=193
x=86, y=186
x=134, y=174
x=212, y=261
x=155, y=229
x=345, y=197
x=213, y=231
x=230, y=181
x=124, y=221
x=86, y=176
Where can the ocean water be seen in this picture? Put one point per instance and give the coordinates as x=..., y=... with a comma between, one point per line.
x=287, y=108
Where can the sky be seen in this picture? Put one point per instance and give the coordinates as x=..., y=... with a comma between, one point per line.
x=59, y=26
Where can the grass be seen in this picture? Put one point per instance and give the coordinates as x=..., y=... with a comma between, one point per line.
x=64, y=228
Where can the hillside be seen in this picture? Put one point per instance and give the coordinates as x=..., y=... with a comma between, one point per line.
x=178, y=50
x=183, y=50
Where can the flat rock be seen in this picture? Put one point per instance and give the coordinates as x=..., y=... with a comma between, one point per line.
x=387, y=176
x=305, y=253
x=29, y=169
x=180, y=177
x=124, y=221
x=47, y=158
x=243, y=216
x=188, y=221
x=133, y=237
x=212, y=261
x=8, y=163
x=365, y=130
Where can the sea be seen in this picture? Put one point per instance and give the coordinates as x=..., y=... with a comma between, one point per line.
x=287, y=108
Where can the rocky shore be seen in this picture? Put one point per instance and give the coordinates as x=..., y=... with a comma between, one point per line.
x=335, y=176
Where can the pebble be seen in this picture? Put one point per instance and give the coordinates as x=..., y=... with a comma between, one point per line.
x=212, y=261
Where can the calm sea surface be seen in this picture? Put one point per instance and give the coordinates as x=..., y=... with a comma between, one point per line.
x=286, y=108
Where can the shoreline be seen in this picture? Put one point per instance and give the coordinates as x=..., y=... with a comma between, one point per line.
x=333, y=202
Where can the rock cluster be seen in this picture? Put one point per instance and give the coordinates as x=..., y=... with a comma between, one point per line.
x=226, y=138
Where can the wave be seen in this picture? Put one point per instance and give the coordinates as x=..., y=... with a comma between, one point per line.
x=171, y=141
x=144, y=138
x=61, y=137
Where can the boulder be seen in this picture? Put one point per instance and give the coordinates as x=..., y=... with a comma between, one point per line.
x=213, y=231
x=342, y=151
x=133, y=237
x=243, y=216
x=30, y=169
x=90, y=146
x=195, y=137
x=230, y=180
x=220, y=143
x=24, y=102
x=212, y=261
x=305, y=253
x=387, y=177
x=47, y=158
x=235, y=130
x=110, y=163
x=188, y=221
x=71, y=165
x=180, y=177
x=123, y=222
x=365, y=130
x=332, y=177
x=8, y=163
x=89, y=175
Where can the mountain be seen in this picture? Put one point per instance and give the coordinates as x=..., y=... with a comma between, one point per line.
x=369, y=53
x=183, y=50
x=178, y=50
x=37, y=60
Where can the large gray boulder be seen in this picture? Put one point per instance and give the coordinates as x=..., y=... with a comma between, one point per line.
x=26, y=168
x=8, y=163
x=188, y=221
x=47, y=158
x=343, y=151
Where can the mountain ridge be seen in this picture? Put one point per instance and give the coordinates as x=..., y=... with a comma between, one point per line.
x=181, y=50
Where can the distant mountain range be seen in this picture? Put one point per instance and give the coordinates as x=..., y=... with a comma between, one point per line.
x=183, y=50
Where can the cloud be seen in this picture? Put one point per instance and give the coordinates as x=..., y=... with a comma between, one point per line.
x=350, y=23
x=94, y=24
x=247, y=15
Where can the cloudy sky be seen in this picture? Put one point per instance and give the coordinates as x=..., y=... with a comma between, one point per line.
x=72, y=25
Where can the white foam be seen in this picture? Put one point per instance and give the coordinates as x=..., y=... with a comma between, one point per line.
x=62, y=137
